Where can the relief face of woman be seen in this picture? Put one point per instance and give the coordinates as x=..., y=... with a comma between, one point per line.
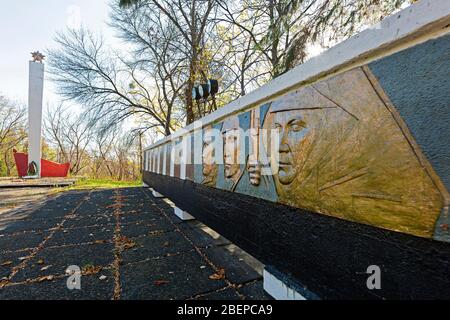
x=294, y=143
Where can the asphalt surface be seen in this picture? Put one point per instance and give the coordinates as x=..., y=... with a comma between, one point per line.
x=127, y=245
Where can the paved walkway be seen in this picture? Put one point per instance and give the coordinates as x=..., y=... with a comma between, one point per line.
x=19, y=199
x=127, y=244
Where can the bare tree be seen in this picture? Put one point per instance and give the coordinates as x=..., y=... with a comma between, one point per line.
x=190, y=24
x=86, y=71
x=12, y=131
x=281, y=29
x=104, y=144
x=244, y=68
x=175, y=44
x=70, y=134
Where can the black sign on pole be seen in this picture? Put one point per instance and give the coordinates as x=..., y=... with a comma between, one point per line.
x=213, y=86
x=196, y=93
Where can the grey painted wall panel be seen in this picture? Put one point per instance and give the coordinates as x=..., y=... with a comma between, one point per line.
x=417, y=81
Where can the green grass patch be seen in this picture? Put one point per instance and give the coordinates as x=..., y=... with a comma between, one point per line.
x=104, y=184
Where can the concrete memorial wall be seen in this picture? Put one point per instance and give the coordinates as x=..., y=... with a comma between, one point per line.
x=341, y=163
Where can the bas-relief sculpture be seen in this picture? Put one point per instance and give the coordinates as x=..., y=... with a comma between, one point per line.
x=232, y=152
x=349, y=158
x=340, y=153
x=240, y=170
x=209, y=167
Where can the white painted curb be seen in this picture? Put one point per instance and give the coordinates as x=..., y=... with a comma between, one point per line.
x=183, y=215
x=156, y=194
x=278, y=289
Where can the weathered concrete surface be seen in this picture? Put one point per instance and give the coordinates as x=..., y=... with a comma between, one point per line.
x=14, y=202
x=9, y=183
x=128, y=244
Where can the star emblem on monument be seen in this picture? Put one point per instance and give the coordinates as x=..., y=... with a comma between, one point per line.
x=37, y=56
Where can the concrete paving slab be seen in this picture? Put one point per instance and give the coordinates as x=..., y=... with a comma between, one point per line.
x=55, y=261
x=16, y=242
x=125, y=236
x=157, y=245
x=254, y=291
x=92, y=288
x=185, y=274
x=227, y=294
x=81, y=235
x=94, y=220
x=236, y=270
x=142, y=228
x=30, y=225
x=202, y=236
x=9, y=260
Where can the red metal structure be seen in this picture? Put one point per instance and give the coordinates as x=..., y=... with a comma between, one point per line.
x=48, y=168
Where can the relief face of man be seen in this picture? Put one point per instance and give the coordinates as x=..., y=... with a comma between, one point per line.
x=231, y=153
x=208, y=153
x=231, y=148
x=297, y=119
x=294, y=143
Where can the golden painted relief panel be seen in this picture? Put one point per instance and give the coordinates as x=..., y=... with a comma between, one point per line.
x=341, y=153
x=337, y=150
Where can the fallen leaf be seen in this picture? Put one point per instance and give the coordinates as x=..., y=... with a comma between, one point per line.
x=172, y=254
x=154, y=233
x=6, y=263
x=160, y=282
x=46, y=278
x=40, y=261
x=219, y=275
x=102, y=277
x=3, y=282
x=125, y=243
x=45, y=268
x=90, y=269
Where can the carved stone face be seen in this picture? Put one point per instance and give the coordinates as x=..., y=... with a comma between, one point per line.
x=208, y=154
x=231, y=153
x=254, y=172
x=294, y=143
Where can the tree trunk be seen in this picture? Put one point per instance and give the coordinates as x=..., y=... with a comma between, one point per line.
x=190, y=116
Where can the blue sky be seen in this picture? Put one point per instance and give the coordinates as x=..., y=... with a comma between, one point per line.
x=29, y=25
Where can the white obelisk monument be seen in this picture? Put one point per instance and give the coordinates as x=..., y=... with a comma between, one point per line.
x=35, y=96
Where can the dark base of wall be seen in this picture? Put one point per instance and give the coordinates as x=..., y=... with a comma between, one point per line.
x=328, y=255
